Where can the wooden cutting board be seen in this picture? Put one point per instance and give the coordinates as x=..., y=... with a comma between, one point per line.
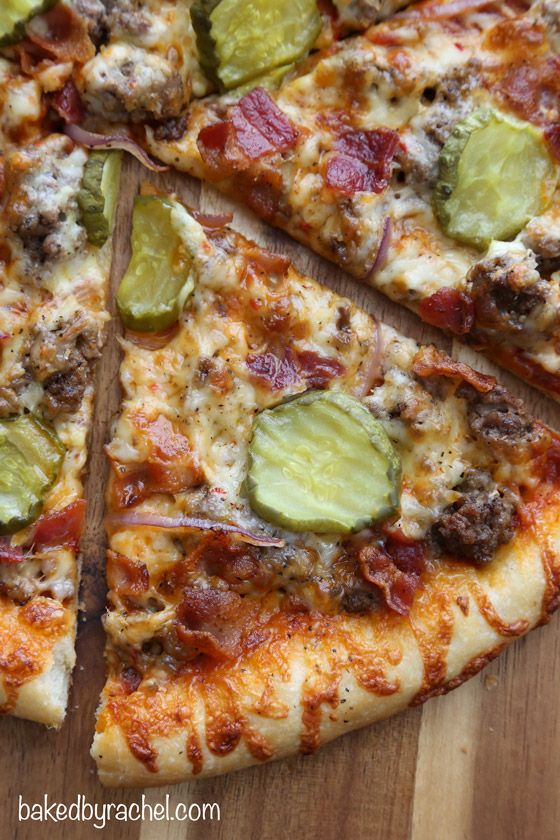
x=483, y=762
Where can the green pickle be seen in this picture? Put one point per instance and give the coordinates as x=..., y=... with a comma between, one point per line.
x=97, y=197
x=230, y=37
x=31, y=457
x=14, y=14
x=159, y=278
x=495, y=174
x=322, y=463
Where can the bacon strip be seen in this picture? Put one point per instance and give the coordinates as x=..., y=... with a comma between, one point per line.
x=170, y=466
x=449, y=309
x=431, y=362
x=292, y=368
x=256, y=128
x=10, y=554
x=60, y=528
x=68, y=104
x=362, y=161
x=62, y=34
x=395, y=568
x=260, y=126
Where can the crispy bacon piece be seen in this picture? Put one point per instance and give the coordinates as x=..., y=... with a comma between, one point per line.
x=269, y=262
x=68, y=104
x=449, y=309
x=530, y=88
x=362, y=161
x=62, y=34
x=318, y=370
x=10, y=554
x=126, y=576
x=217, y=147
x=130, y=679
x=431, y=362
x=212, y=621
x=170, y=467
x=395, y=568
x=260, y=126
x=279, y=372
x=275, y=371
x=256, y=127
x=60, y=528
x=235, y=562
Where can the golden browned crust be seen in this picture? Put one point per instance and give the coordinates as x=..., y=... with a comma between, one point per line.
x=317, y=678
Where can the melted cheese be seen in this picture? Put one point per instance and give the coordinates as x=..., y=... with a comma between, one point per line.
x=431, y=435
x=419, y=78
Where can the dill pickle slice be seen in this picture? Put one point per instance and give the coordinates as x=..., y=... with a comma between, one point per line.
x=495, y=174
x=158, y=279
x=97, y=197
x=240, y=41
x=322, y=463
x=31, y=457
x=14, y=14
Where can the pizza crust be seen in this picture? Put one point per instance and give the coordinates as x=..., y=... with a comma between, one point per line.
x=461, y=620
x=44, y=698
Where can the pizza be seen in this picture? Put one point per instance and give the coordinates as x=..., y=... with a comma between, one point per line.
x=153, y=57
x=313, y=522
x=53, y=275
x=423, y=158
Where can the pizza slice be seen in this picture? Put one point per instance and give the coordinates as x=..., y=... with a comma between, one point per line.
x=423, y=158
x=142, y=60
x=55, y=217
x=313, y=521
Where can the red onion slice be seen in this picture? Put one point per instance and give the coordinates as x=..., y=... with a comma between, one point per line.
x=135, y=519
x=438, y=11
x=211, y=220
x=372, y=366
x=382, y=250
x=116, y=141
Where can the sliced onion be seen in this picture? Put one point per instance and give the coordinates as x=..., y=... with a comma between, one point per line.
x=116, y=141
x=136, y=519
x=383, y=248
x=372, y=366
x=438, y=11
x=210, y=220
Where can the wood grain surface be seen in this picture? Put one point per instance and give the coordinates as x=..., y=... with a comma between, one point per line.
x=483, y=762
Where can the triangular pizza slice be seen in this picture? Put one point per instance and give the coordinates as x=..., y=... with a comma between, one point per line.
x=313, y=521
x=422, y=157
x=57, y=203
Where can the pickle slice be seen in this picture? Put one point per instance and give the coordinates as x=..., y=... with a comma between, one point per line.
x=495, y=174
x=158, y=279
x=322, y=463
x=97, y=197
x=14, y=14
x=240, y=41
x=31, y=457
